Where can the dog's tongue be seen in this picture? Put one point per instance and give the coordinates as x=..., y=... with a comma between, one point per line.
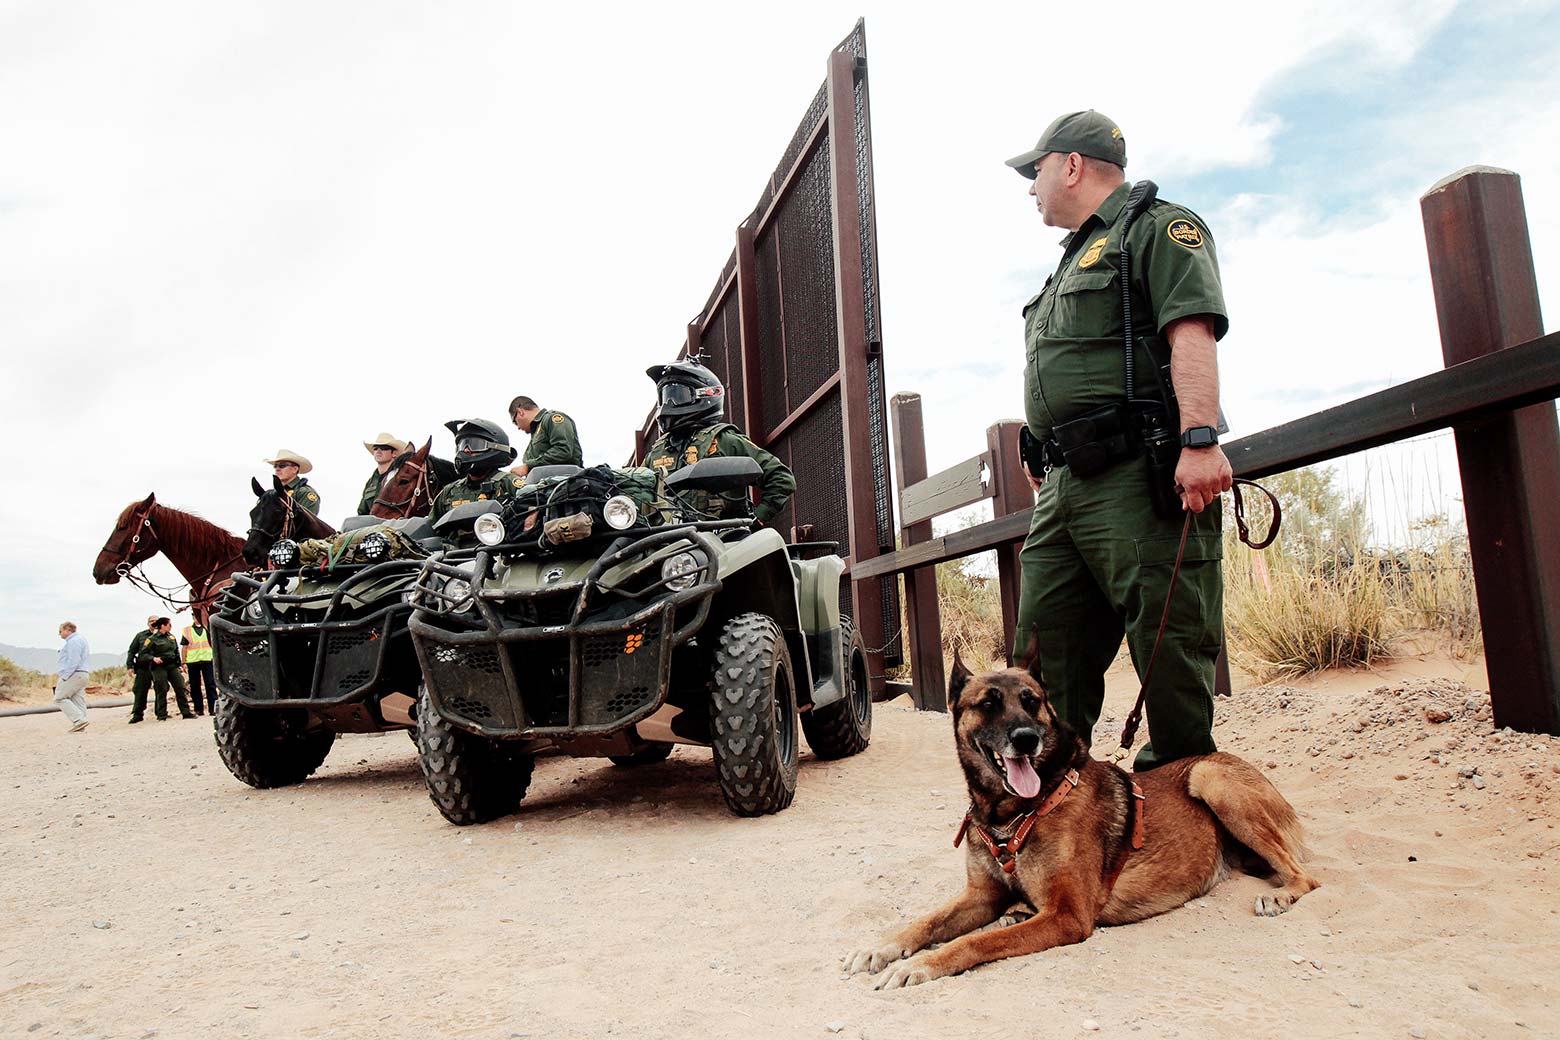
x=1021, y=777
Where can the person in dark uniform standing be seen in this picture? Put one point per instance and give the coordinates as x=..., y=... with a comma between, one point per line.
x=140, y=676
x=693, y=427
x=196, y=653
x=554, y=440
x=159, y=654
x=1097, y=562
x=481, y=447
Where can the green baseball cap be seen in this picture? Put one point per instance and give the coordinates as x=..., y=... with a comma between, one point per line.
x=1087, y=133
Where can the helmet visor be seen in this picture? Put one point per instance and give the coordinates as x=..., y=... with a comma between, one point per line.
x=676, y=394
x=472, y=444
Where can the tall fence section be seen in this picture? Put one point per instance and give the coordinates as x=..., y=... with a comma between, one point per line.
x=792, y=328
x=1496, y=393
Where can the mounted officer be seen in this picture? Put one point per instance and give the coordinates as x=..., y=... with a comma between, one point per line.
x=554, y=440
x=693, y=404
x=481, y=449
x=290, y=467
x=388, y=452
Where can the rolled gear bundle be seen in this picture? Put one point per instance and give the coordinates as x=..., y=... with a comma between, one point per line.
x=347, y=547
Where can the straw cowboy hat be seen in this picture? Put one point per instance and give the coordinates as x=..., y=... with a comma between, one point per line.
x=384, y=438
x=303, y=464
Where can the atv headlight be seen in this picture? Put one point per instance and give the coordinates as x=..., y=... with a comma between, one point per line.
x=457, y=592
x=620, y=512
x=489, y=528
x=283, y=553
x=252, y=609
x=680, y=571
x=375, y=547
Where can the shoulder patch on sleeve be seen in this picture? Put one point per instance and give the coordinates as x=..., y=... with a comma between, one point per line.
x=1184, y=233
x=559, y=417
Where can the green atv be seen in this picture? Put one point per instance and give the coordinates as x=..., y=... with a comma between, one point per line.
x=602, y=617
x=316, y=646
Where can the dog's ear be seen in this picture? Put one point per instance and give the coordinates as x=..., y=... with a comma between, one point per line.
x=957, y=678
x=1032, y=658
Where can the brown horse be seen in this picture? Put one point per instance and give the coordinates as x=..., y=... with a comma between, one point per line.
x=410, y=489
x=274, y=517
x=201, y=551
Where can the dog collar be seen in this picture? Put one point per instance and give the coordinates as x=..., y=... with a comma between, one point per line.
x=1006, y=852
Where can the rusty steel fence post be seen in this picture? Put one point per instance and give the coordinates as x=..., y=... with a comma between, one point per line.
x=1011, y=494
x=1486, y=298
x=923, y=617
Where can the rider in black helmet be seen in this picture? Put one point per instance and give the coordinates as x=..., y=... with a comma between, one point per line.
x=693, y=426
x=481, y=450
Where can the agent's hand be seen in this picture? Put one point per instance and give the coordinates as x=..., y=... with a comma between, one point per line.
x=157, y=660
x=1036, y=484
x=520, y=470
x=1201, y=475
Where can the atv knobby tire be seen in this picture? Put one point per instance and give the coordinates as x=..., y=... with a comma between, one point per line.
x=753, y=717
x=470, y=778
x=655, y=751
x=844, y=727
x=268, y=747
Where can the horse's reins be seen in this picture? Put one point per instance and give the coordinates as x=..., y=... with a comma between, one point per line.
x=422, y=487
x=1135, y=717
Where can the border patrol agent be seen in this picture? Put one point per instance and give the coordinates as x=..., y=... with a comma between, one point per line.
x=554, y=440
x=1098, y=558
x=159, y=655
x=141, y=675
x=289, y=468
x=693, y=402
x=388, y=452
x=481, y=447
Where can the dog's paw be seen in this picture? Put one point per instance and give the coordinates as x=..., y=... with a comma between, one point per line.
x=910, y=973
x=872, y=961
x=1272, y=904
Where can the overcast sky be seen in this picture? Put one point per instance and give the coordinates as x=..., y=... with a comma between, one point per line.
x=228, y=228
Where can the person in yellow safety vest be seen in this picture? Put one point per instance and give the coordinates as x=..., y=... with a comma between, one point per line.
x=195, y=652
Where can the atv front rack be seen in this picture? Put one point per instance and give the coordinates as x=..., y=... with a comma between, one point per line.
x=562, y=660
x=332, y=656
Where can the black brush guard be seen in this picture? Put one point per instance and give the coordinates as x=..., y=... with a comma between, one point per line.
x=326, y=660
x=559, y=672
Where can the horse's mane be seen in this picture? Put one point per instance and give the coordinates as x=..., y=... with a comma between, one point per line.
x=199, y=535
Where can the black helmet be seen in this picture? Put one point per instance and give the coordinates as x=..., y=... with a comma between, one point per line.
x=689, y=394
x=480, y=446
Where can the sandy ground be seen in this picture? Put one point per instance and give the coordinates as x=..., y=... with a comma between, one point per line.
x=147, y=893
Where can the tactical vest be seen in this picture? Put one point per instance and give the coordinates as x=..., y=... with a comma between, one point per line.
x=700, y=445
x=198, y=647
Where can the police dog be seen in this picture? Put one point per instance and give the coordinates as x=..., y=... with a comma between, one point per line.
x=1073, y=862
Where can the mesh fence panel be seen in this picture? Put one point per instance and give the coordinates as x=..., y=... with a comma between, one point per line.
x=771, y=334
x=805, y=227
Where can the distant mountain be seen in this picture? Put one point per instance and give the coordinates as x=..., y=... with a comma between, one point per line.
x=44, y=660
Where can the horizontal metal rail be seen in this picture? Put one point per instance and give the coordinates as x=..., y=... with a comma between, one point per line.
x=1516, y=377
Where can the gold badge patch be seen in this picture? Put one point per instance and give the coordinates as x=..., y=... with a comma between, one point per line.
x=691, y=455
x=1184, y=232
x=557, y=417
x=665, y=461
x=1092, y=256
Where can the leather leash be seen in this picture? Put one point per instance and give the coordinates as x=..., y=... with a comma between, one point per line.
x=1135, y=717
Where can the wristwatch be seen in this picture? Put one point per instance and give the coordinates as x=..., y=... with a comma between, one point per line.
x=1199, y=437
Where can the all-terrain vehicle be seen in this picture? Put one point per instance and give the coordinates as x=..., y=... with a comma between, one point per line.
x=602, y=617
x=315, y=646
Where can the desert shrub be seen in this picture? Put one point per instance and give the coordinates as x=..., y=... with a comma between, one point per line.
x=14, y=679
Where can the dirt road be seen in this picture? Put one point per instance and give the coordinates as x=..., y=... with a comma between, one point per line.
x=147, y=893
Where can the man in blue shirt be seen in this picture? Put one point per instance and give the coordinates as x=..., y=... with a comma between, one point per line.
x=70, y=689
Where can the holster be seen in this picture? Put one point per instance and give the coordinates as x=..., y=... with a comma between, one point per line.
x=1093, y=442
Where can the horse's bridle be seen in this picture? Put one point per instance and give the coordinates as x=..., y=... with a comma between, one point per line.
x=419, y=488
x=287, y=522
x=135, y=575
x=123, y=567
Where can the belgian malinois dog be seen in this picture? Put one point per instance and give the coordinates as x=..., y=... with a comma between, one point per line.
x=1079, y=841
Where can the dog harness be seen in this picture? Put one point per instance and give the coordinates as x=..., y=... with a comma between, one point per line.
x=1006, y=851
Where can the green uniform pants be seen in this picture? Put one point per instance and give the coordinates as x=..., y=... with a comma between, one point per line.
x=160, y=678
x=143, y=682
x=1096, y=566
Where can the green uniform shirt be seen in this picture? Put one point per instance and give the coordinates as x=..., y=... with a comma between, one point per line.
x=1073, y=326
x=554, y=441
x=135, y=646
x=303, y=494
x=683, y=448
x=500, y=485
x=158, y=645
x=375, y=481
